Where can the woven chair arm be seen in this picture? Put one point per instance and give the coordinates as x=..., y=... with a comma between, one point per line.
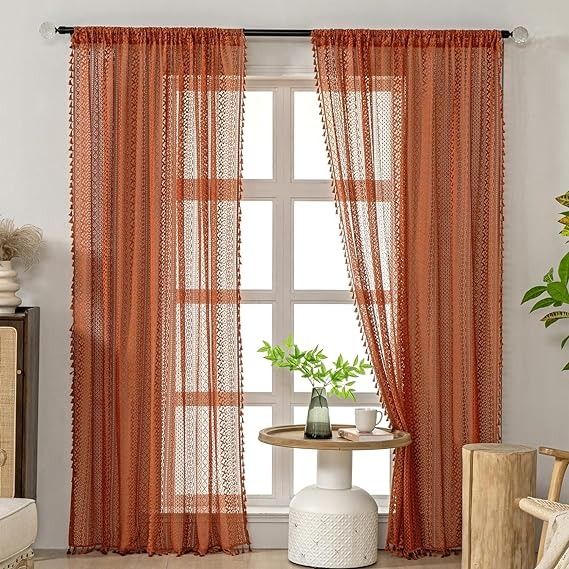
x=560, y=454
x=542, y=509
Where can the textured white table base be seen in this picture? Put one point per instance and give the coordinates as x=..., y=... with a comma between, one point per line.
x=333, y=524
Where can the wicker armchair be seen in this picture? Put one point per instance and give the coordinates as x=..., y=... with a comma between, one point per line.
x=18, y=527
x=545, y=509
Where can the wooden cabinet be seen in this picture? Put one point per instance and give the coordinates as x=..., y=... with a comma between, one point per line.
x=19, y=359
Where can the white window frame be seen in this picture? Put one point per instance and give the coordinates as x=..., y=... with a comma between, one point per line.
x=283, y=190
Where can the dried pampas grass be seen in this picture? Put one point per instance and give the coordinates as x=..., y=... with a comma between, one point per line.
x=23, y=243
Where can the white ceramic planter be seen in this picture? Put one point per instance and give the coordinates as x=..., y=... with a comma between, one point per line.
x=8, y=287
x=333, y=524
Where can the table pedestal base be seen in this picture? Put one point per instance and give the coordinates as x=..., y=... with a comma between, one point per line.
x=333, y=526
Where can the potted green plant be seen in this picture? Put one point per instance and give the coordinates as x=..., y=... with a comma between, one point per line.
x=338, y=380
x=553, y=292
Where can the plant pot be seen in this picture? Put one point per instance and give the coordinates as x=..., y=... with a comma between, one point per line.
x=8, y=287
x=318, y=419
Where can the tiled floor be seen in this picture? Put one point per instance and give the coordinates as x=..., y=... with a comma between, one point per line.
x=274, y=559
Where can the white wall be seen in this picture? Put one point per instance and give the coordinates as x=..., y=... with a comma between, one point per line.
x=34, y=182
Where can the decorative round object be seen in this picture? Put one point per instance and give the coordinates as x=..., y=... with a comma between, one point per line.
x=48, y=30
x=520, y=35
x=8, y=288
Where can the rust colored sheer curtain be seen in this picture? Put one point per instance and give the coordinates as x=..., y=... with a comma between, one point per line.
x=413, y=122
x=156, y=182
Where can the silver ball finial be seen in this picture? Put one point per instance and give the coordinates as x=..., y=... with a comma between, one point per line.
x=48, y=30
x=520, y=35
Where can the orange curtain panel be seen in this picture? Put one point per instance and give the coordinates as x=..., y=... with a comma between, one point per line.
x=156, y=119
x=413, y=122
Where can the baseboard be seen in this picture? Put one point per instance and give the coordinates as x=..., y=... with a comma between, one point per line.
x=268, y=528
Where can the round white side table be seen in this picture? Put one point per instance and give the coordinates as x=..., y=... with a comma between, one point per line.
x=332, y=524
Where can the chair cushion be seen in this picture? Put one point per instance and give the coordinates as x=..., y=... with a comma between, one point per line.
x=18, y=525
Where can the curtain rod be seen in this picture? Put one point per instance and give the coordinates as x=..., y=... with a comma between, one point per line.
x=519, y=34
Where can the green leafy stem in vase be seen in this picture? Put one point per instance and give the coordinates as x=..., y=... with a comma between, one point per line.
x=338, y=380
x=554, y=288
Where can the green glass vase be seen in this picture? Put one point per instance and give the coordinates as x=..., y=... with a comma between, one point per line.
x=318, y=419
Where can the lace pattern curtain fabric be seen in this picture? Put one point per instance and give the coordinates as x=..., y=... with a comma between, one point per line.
x=156, y=182
x=413, y=122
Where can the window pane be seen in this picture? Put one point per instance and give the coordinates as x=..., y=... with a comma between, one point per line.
x=378, y=214
x=258, y=455
x=371, y=469
x=381, y=110
x=334, y=327
x=379, y=113
x=228, y=123
x=319, y=261
x=256, y=244
x=256, y=326
x=258, y=136
x=191, y=452
x=310, y=158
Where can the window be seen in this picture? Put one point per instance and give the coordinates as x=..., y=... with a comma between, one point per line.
x=288, y=213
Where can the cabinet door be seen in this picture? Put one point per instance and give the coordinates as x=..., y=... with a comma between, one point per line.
x=8, y=410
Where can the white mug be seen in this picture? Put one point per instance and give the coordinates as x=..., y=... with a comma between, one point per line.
x=366, y=419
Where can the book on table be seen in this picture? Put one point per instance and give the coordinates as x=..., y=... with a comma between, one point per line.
x=378, y=434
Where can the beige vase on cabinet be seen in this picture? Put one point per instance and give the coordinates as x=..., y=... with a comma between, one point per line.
x=8, y=287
